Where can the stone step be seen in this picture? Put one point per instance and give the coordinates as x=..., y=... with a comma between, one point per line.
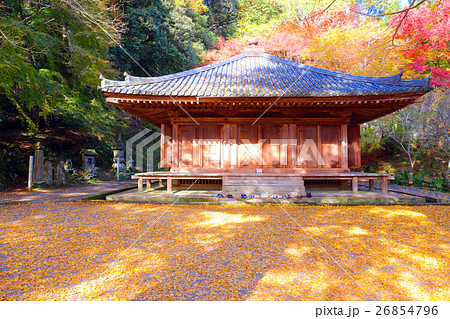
x=270, y=190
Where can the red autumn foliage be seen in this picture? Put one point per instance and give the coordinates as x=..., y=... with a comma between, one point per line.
x=286, y=41
x=426, y=33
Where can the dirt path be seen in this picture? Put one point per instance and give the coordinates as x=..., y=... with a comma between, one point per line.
x=440, y=197
x=68, y=193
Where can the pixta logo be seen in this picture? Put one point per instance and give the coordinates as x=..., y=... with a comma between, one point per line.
x=144, y=146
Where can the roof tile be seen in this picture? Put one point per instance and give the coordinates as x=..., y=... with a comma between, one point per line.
x=261, y=76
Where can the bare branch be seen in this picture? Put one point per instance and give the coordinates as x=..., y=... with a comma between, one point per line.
x=401, y=21
x=323, y=11
x=412, y=6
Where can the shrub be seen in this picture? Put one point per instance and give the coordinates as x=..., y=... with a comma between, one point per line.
x=13, y=167
x=438, y=183
x=400, y=178
x=417, y=180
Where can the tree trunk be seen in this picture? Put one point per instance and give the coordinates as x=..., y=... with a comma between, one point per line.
x=409, y=171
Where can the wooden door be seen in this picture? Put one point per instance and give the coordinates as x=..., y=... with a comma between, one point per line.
x=308, y=146
x=248, y=148
x=271, y=135
x=187, y=135
x=354, y=146
x=211, y=145
x=330, y=136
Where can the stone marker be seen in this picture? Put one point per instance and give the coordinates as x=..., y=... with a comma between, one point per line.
x=48, y=172
x=60, y=178
x=39, y=177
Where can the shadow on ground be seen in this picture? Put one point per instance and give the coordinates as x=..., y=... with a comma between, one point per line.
x=104, y=251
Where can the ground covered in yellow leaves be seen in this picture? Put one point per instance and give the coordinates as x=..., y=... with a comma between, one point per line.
x=106, y=251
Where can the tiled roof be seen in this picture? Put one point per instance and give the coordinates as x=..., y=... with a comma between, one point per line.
x=262, y=75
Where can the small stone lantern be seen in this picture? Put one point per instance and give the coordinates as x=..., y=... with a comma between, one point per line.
x=88, y=159
x=119, y=157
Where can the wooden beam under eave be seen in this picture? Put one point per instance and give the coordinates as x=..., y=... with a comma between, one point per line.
x=263, y=120
x=155, y=110
x=299, y=107
x=418, y=100
x=270, y=100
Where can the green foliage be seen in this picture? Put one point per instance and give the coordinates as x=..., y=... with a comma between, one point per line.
x=438, y=183
x=258, y=11
x=390, y=169
x=258, y=16
x=401, y=178
x=370, y=139
x=407, y=130
x=369, y=168
x=222, y=17
x=417, y=180
x=12, y=165
x=51, y=54
x=161, y=38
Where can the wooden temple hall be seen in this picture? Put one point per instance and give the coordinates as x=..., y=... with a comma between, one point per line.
x=259, y=124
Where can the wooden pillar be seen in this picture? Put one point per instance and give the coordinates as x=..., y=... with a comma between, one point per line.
x=140, y=184
x=175, y=145
x=196, y=148
x=319, y=143
x=354, y=146
x=293, y=148
x=344, y=147
x=148, y=184
x=200, y=146
x=166, y=145
x=284, y=145
x=163, y=159
x=260, y=157
x=169, y=184
x=371, y=185
x=234, y=146
x=355, y=184
x=226, y=141
x=160, y=182
x=384, y=185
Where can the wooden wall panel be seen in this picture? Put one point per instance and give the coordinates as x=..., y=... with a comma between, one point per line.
x=187, y=134
x=247, y=141
x=354, y=146
x=211, y=145
x=222, y=146
x=306, y=132
x=197, y=148
x=330, y=135
x=271, y=149
x=166, y=145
